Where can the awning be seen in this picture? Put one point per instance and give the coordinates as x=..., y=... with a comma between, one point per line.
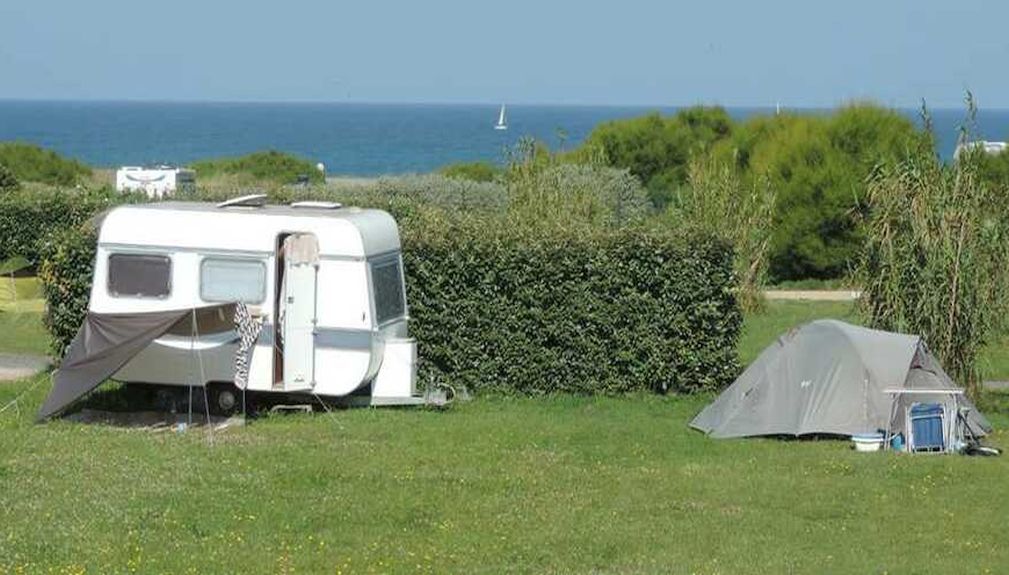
x=105, y=343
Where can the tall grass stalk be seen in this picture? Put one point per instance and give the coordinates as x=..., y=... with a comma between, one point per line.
x=548, y=190
x=718, y=201
x=935, y=260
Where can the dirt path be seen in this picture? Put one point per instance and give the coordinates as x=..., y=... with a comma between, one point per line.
x=813, y=295
x=18, y=365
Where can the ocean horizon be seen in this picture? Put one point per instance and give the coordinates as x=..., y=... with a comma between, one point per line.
x=351, y=139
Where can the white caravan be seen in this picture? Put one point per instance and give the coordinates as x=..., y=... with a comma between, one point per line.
x=327, y=282
x=156, y=182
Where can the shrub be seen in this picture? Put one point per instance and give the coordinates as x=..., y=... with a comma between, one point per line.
x=8, y=182
x=657, y=149
x=66, y=274
x=269, y=166
x=499, y=308
x=818, y=166
x=31, y=163
x=435, y=190
x=474, y=171
x=548, y=190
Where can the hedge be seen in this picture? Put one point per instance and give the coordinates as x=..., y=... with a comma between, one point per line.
x=499, y=309
x=65, y=274
x=602, y=312
x=28, y=217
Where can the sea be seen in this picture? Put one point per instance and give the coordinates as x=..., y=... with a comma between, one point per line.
x=350, y=139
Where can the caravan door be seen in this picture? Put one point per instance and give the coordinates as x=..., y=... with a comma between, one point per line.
x=298, y=306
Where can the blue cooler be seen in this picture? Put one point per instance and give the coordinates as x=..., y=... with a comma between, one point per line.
x=927, y=427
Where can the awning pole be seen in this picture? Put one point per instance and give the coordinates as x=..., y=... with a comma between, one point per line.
x=203, y=379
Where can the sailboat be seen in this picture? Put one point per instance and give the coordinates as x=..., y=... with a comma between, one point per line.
x=502, y=124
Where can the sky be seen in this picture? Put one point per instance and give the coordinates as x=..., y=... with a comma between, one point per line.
x=805, y=53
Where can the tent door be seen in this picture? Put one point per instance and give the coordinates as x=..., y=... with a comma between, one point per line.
x=299, y=285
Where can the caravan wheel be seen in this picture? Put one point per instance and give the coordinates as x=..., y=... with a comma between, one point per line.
x=225, y=399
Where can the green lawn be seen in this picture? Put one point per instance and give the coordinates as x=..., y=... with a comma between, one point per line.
x=760, y=329
x=541, y=485
x=21, y=329
x=22, y=332
x=545, y=485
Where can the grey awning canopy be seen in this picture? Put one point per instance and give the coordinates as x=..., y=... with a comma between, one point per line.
x=830, y=377
x=105, y=343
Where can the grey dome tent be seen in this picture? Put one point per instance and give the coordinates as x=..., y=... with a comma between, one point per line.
x=831, y=377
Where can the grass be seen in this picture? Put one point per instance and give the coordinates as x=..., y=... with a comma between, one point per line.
x=22, y=332
x=545, y=485
x=760, y=329
x=21, y=329
x=813, y=284
x=556, y=484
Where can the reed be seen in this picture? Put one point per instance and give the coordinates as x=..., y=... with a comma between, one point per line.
x=934, y=260
x=719, y=201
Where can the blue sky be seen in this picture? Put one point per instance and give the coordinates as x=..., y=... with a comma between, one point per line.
x=651, y=52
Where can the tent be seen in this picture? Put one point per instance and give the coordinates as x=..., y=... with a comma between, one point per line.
x=831, y=377
x=106, y=342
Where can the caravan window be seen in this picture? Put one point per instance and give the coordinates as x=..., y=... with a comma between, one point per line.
x=225, y=280
x=387, y=282
x=140, y=275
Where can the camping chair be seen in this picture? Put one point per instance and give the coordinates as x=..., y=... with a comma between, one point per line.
x=926, y=425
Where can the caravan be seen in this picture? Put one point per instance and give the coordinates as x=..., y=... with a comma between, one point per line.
x=324, y=282
x=155, y=181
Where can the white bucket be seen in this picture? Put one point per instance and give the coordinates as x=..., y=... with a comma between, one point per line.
x=867, y=441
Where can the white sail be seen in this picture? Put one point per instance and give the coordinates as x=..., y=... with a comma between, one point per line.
x=501, y=123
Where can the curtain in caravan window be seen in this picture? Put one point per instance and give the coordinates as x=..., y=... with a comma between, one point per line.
x=226, y=280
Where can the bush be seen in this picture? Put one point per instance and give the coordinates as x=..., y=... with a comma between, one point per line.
x=31, y=163
x=28, y=217
x=498, y=308
x=550, y=190
x=573, y=194
x=270, y=166
x=66, y=275
x=818, y=166
x=657, y=149
x=8, y=182
x=474, y=171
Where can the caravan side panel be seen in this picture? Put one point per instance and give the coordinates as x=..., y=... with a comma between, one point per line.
x=344, y=342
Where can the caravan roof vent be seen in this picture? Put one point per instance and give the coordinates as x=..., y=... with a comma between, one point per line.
x=249, y=201
x=320, y=205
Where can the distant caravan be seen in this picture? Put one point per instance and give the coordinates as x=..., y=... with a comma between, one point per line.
x=988, y=147
x=156, y=181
